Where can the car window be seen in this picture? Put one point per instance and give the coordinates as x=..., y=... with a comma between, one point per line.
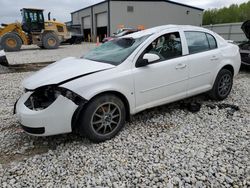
x=33, y=16
x=197, y=42
x=167, y=46
x=212, y=42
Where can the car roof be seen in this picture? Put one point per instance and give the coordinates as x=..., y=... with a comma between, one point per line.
x=158, y=29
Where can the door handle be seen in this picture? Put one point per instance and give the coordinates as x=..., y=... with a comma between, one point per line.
x=181, y=66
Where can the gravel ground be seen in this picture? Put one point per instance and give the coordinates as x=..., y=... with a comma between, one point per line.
x=33, y=54
x=166, y=146
x=4, y=69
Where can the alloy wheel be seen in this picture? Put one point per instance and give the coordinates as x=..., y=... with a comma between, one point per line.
x=225, y=84
x=106, y=118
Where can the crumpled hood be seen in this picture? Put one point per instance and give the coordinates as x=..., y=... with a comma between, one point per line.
x=246, y=28
x=62, y=71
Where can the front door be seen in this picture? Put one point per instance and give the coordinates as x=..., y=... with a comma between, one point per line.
x=164, y=80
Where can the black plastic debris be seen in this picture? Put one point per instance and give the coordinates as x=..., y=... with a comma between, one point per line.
x=231, y=109
x=193, y=107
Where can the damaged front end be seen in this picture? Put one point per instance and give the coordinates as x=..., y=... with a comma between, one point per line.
x=48, y=108
x=44, y=96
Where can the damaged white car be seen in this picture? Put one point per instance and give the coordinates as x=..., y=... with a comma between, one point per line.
x=96, y=94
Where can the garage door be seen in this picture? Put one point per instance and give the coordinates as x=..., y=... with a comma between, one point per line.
x=86, y=22
x=102, y=19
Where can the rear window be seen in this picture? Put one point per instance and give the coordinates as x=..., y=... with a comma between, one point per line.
x=200, y=41
x=212, y=42
x=197, y=42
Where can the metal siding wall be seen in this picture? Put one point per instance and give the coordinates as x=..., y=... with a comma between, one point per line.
x=231, y=31
x=97, y=9
x=101, y=8
x=75, y=19
x=102, y=20
x=151, y=14
x=86, y=22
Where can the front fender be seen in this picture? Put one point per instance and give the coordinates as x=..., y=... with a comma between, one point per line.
x=106, y=81
x=94, y=91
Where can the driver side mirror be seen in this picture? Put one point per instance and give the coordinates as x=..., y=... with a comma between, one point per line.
x=147, y=59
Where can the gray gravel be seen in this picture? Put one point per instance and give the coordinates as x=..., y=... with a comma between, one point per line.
x=162, y=147
x=4, y=69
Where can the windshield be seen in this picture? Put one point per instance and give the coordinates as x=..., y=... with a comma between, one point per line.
x=116, y=51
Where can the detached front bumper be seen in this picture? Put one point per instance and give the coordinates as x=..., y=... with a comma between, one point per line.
x=55, y=119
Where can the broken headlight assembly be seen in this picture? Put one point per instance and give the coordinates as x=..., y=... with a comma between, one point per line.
x=44, y=96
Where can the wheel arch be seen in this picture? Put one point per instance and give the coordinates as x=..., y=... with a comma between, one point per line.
x=80, y=109
x=227, y=67
x=120, y=96
x=48, y=31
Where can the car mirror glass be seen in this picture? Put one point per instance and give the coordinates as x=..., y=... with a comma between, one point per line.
x=141, y=63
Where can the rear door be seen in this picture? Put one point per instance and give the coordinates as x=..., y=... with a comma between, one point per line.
x=203, y=57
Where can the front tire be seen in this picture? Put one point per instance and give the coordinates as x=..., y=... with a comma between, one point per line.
x=103, y=118
x=223, y=85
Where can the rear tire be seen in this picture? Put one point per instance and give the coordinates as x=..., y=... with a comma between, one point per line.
x=50, y=41
x=11, y=42
x=222, y=86
x=102, y=118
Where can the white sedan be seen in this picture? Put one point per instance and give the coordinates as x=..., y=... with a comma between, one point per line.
x=96, y=94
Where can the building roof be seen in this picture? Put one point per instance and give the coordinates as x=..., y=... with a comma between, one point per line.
x=172, y=2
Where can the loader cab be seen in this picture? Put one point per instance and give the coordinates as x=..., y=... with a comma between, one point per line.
x=33, y=20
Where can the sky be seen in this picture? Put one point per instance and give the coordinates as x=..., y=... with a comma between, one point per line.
x=61, y=9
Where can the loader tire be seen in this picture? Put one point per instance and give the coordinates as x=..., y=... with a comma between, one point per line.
x=50, y=41
x=11, y=42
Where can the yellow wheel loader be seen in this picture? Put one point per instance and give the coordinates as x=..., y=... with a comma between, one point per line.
x=33, y=30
